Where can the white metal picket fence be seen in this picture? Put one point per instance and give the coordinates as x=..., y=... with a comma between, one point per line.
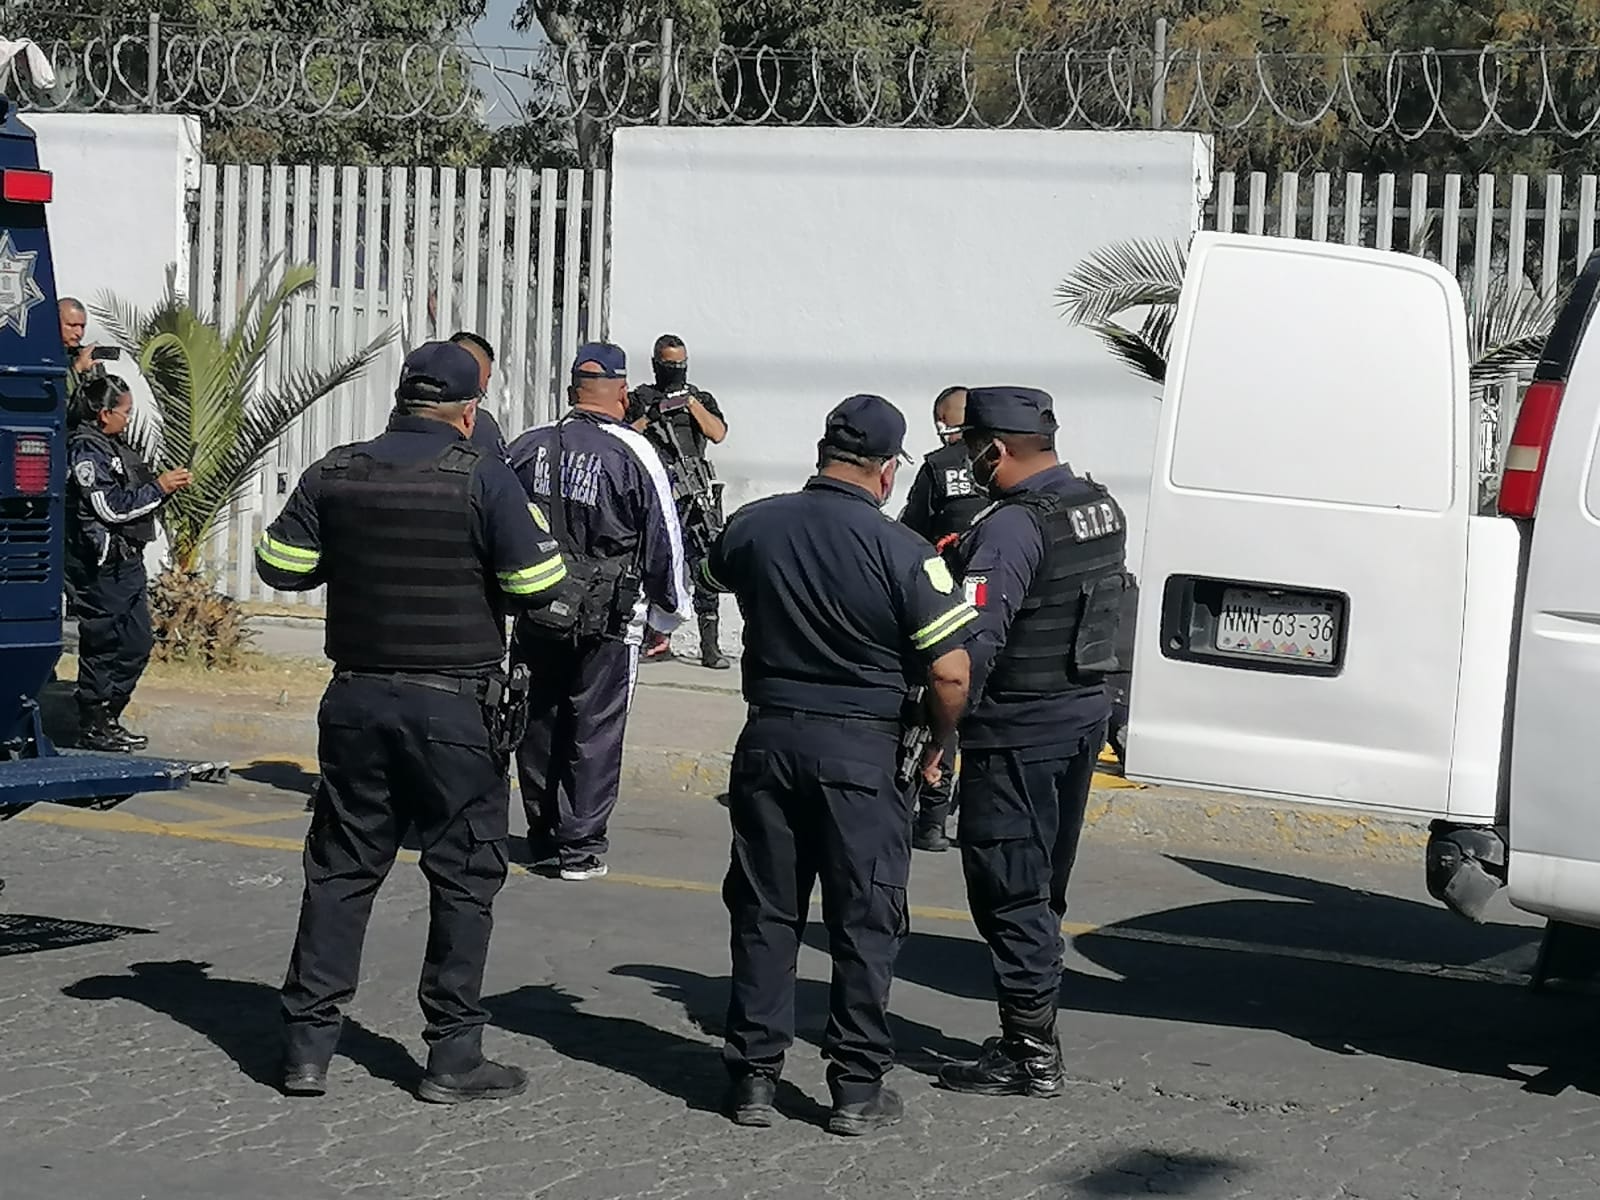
x=520, y=256
x=517, y=256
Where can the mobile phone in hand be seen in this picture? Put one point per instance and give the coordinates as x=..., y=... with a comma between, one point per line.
x=105, y=353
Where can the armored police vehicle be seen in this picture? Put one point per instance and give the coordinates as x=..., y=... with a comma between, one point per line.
x=33, y=373
x=1329, y=616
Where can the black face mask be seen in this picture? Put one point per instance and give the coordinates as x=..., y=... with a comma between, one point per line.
x=671, y=375
x=983, y=469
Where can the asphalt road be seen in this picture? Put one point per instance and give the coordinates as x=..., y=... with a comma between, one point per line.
x=1240, y=1026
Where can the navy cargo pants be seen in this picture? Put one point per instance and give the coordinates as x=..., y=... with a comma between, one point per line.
x=570, y=760
x=400, y=753
x=814, y=798
x=114, y=634
x=1021, y=817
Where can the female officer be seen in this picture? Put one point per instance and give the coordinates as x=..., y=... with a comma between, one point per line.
x=114, y=496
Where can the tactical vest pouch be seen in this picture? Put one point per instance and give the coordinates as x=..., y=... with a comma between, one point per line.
x=597, y=596
x=1094, y=649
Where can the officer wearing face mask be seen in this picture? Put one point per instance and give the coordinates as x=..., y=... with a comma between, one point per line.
x=681, y=420
x=940, y=505
x=845, y=613
x=1044, y=566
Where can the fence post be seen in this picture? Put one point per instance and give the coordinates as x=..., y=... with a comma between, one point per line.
x=664, y=89
x=152, y=67
x=1158, y=89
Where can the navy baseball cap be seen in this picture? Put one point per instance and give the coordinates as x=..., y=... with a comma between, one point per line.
x=1010, y=410
x=438, y=373
x=867, y=425
x=600, y=360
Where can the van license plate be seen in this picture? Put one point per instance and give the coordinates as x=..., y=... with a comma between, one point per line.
x=1274, y=625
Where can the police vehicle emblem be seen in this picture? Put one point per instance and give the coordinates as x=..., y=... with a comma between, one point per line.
x=19, y=291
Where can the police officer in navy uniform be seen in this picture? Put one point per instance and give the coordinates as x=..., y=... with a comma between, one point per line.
x=112, y=518
x=689, y=427
x=423, y=542
x=844, y=611
x=940, y=505
x=486, y=433
x=616, y=512
x=1044, y=566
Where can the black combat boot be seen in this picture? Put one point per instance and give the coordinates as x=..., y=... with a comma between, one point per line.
x=933, y=809
x=135, y=741
x=750, y=1100
x=96, y=732
x=710, y=652
x=486, y=1081
x=1025, y=1060
x=852, y=1120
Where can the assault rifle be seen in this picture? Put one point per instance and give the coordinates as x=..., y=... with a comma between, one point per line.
x=696, y=491
x=915, y=735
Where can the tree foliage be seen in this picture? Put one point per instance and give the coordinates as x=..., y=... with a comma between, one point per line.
x=261, y=111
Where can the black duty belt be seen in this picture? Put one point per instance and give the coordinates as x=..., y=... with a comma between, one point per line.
x=458, y=685
x=772, y=713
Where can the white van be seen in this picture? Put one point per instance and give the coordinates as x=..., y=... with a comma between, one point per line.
x=1325, y=617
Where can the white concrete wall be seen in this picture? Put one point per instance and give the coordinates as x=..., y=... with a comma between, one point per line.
x=118, y=219
x=804, y=265
x=121, y=184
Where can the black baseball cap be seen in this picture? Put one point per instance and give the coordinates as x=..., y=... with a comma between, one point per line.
x=438, y=373
x=866, y=425
x=1010, y=410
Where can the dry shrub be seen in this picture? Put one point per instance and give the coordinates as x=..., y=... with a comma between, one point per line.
x=195, y=623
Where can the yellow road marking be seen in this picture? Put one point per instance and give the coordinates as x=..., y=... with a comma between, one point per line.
x=236, y=822
x=120, y=822
x=190, y=804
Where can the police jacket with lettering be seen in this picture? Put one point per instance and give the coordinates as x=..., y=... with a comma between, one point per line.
x=618, y=505
x=1045, y=567
x=422, y=542
x=844, y=609
x=115, y=499
x=943, y=499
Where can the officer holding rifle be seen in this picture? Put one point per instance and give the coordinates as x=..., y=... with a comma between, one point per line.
x=680, y=420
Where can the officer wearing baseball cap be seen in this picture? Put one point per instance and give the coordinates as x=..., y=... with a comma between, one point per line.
x=1044, y=566
x=845, y=611
x=616, y=520
x=423, y=542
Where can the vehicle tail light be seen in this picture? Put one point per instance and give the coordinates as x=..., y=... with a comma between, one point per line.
x=1530, y=449
x=30, y=469
x=27, y=187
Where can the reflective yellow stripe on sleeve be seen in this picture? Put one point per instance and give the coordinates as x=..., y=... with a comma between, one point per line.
x=710, y=580
x=294, y=559
x=530, y=581
x=942, y=626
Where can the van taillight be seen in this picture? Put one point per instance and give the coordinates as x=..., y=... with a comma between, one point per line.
x=1530, y=449
x=27, y=187
x=30, y=467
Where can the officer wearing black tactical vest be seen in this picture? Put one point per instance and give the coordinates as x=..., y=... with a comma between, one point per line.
x=941, y=504
x=1044, y=565
x=423, y=542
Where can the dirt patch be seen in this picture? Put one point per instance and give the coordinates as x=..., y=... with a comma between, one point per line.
x=259, y=677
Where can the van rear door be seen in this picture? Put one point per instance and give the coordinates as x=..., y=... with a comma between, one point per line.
x=1553, y=474
x=1304, y=592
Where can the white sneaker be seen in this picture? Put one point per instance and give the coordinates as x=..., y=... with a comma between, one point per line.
x=588, y=868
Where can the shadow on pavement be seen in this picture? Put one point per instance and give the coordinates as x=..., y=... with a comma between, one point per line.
x=668, y=1062
x=1166, y=971
x=22, y=933
x=285, y=776
x=1164, y=1173
x=239, y=1017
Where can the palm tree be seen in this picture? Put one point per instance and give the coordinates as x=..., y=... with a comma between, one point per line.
x=1507, y=322
x=215, y=415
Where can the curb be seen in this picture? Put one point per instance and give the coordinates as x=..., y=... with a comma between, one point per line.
x=1158, y=817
